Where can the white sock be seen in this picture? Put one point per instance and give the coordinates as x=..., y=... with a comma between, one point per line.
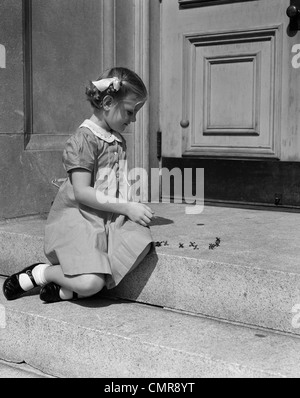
x=65, y=294
x=25, y=282
x=38, y=275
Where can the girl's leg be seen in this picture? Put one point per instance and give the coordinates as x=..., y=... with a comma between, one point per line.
x=85, y=285
x=40, y=274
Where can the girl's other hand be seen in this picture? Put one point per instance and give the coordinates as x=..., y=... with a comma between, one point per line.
x=140, y=213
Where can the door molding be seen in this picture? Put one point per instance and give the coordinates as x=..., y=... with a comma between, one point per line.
x=142, y=68
x=27, y=70
x=108, y=33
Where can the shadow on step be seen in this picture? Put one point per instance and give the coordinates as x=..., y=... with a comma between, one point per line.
x=157, y=220
x=134, y=283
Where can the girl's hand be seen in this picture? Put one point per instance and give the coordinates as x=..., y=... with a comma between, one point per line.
x=139, y=213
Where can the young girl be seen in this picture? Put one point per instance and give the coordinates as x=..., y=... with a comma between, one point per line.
x=94, y=236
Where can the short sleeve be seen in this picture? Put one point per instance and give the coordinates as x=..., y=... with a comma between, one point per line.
x=80, y=151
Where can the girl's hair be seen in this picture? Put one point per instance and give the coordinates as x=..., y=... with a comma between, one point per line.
x=131, y=83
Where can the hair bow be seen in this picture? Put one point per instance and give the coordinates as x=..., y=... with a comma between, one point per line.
x=104, y=84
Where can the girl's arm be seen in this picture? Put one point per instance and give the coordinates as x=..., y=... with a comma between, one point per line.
x=89, y=196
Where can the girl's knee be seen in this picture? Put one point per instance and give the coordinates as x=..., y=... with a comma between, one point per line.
x=91, y=284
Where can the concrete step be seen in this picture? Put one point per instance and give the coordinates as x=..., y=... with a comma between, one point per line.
x=252, y=277
x=10, y=370
x=104, y=338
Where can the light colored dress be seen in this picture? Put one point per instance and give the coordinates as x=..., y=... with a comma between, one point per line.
x=84, y=240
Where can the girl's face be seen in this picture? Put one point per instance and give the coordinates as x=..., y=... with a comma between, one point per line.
x=123, y=112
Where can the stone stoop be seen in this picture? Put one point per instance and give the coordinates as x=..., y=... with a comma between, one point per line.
x=252, y=277
x=103, y=338
x=10, y=370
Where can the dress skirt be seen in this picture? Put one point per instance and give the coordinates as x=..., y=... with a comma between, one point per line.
x=84, y=241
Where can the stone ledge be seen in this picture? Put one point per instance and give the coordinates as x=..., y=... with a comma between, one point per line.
x=10, y=370
x=252, y=296
x=103, y=338
x=250, y=280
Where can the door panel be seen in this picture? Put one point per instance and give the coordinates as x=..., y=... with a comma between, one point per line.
x=59, y=64
x=230, y=80
x=226, y=78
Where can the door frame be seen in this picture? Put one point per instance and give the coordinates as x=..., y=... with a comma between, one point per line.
x=142, y=68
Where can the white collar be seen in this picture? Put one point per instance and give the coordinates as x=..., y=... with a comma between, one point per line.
x=99, y=131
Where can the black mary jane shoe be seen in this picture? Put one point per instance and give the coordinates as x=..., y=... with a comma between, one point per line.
x=50, y=293
x=11, y=286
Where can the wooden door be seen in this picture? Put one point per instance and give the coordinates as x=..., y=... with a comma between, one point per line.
x=230, y=97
